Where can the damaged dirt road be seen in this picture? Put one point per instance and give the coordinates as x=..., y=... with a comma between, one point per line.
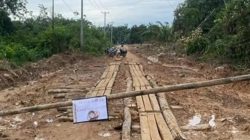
x=226, y=106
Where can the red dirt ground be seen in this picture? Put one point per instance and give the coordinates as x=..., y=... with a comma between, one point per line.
x=229, y=103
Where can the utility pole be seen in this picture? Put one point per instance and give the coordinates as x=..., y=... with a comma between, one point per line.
x=111, y=33
x=105, y=20
x=81, y=25
x=111, y=38
x=53, y=15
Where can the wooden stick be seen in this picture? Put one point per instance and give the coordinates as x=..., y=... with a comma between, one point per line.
x=181, y=87
x=134, y=93
x=168, y=115
x=126, y=127
x=59, y=91
x=198, y=127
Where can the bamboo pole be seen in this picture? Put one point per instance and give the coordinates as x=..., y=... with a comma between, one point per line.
x=134, y=93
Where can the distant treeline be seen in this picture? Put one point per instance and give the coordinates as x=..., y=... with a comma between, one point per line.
x=206, y=29
x=32, y=38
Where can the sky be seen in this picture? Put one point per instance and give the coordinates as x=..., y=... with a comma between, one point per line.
x=121, y=12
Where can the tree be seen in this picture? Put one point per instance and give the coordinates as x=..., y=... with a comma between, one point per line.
x=190, y=14
x=6, y=25
x=7, y=8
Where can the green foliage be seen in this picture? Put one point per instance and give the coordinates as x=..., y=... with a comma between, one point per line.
x=192, y=13
x=136, y=34
x=225, y=33
x=121, y=34
x=6, y=26
x=159, y=32
x=34, y=39
x=197, y=46
x=15, y=53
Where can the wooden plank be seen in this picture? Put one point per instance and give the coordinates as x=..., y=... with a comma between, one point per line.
x=146, y=101
x=145, y=132
x=136, y=85
x=94, y=93
x=110, y=74
x=100, y=93
x=168, y=115
x=100, y=84
x=137, y=75
x=163, y=128
x=112, y=80
x=142, y=76
x=106, y=84
x=153, y=127
x=140, y=104
x=105, y=73
x=154, y=102
x=107, y=92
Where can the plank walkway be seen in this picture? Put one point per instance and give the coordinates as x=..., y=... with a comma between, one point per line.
x=153, y=125
x=104, y=86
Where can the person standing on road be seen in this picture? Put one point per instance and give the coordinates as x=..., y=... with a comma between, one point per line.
x=118, y=50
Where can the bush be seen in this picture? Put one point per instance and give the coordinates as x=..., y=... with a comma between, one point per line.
x=34, y=39
x=15, y=53
x=197, y=46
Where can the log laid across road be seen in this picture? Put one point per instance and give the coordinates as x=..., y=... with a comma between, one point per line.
x=134, y=93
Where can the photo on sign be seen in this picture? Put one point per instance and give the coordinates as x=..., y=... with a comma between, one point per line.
x=90, y=109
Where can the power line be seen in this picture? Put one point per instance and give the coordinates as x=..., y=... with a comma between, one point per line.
x=102, y=4
x=92, y=4
x=67, y=5
x=95, y=4
x=81, y=32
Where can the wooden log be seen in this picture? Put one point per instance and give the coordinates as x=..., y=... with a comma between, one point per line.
x=184, y=86
x=168, y=115
x=199, y=127
x=122, y=95
x=128, y=101
x=60, y=96
x=65, y=119
x=66, y=95
x=59, y=91
x=126, y=127
x=63, y=109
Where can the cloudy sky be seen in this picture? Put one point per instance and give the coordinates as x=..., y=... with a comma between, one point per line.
x=120, y=11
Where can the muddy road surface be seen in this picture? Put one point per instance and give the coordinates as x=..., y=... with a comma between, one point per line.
x=226, y=106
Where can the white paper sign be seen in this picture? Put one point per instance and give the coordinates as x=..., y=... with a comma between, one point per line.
x=91, y=109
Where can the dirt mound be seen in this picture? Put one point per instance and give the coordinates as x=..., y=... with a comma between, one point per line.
x=11, y=77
